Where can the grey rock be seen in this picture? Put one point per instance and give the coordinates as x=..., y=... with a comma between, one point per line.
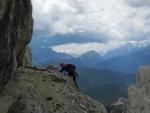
x=39, y=68
x=52, y=67
x=16, y=25
x=119, y=106
x=28, y=93
x=139, y=94
x=82, y=106
x=27, y=60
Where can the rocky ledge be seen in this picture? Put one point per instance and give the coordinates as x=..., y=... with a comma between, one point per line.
x=35, y=90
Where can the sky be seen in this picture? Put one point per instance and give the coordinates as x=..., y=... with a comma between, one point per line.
x=116, y=21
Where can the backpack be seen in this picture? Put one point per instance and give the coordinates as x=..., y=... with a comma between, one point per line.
x=73, y=67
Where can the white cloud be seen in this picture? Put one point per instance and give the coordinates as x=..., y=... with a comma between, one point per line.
x=102, y=48
x=116, y=18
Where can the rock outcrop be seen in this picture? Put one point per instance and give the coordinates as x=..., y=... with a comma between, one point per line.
x=27, y=60
x=139, y=94
x=118, y=107
x=34, y=90
x=16, y=25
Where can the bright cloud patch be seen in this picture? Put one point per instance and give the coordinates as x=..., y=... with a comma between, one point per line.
x=101, y=48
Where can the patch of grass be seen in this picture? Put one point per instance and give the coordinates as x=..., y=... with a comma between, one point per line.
x=59, y=80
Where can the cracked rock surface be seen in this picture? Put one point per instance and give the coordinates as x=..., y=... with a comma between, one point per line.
x=34, y=90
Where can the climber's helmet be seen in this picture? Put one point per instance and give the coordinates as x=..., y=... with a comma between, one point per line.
x=62, y=64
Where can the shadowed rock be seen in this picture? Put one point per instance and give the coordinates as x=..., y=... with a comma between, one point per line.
x=16, y=25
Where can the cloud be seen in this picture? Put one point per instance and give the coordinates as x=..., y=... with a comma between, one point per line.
x=78, y=49
x=114, y=18
x=102, y=48
x=113, y=22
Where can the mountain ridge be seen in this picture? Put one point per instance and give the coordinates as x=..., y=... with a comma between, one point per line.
x=128, y=63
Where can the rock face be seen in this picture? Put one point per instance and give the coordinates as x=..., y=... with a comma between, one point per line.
x=119, y=106
x=27, y=60
x=16, y=26
x=139, y=94
x=34, y=90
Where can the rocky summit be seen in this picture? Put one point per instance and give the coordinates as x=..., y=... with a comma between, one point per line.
x=37, y=90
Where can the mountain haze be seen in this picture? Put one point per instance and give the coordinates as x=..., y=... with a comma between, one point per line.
x=106, y=86
x=90, y=58
x=127, y=63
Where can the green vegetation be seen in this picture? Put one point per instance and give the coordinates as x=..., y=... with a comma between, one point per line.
x=92, y=76
x=106, y=93
x=57, y=79
x=106, y=86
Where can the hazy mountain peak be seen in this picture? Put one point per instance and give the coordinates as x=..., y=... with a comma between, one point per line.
x=91, y=53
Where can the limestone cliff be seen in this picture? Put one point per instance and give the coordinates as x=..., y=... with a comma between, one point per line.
x=16, y=25
x=35, y=90
x=139, y=94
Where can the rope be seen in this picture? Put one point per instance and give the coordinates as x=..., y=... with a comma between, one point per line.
x=38, y=60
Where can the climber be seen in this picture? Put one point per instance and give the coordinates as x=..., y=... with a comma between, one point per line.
x=70, y=68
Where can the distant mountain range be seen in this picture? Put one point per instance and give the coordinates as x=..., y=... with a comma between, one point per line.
x=127, y=63
x=89, y=59
x=46, y=56
x=126, y=49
